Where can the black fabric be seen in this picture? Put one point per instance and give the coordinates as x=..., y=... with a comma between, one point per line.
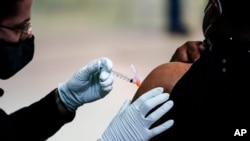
x=36, y=122
x=211, y=100
x=15, y=56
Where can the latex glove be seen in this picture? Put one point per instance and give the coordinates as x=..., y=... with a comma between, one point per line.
x=91, y=82
x=131, y=123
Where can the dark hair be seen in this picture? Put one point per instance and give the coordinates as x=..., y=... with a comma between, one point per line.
x=236, y=13
x=8, y=8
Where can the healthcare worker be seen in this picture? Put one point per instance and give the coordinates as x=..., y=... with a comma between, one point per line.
x=42, y=119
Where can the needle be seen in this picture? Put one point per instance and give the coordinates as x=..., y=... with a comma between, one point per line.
x=124, y=77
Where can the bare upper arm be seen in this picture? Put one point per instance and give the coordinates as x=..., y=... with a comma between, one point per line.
x=165, y=75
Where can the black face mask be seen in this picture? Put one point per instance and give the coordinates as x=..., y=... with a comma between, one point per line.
x=14, y=56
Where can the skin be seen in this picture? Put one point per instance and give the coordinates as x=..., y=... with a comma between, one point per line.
x=24, y=15
x=170, y=73
x=182, y=59
x=188, y=52
x=167, y=75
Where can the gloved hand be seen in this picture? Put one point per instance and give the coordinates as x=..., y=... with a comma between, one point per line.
x=131, y=122
x=91, y=82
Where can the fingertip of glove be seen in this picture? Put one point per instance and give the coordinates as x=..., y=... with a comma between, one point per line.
x=107, y=63
x=152, y=93
x=166, y=95
x=170, y=103
x=157, y=90
x=168, y=124
x=171, y=122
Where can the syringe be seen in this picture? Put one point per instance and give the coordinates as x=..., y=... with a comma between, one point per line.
x=124, y=77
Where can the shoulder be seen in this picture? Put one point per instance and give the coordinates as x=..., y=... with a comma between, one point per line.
x=165, y=75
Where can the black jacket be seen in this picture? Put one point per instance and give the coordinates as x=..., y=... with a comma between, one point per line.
x=36, y=122
x=212, y=98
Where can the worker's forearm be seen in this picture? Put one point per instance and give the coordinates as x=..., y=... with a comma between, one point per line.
x=62, y=109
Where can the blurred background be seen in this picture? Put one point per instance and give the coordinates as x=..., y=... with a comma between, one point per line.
x=69, y=34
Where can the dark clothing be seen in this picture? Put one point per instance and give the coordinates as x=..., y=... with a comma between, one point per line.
x=212, y=99
x=36, y=122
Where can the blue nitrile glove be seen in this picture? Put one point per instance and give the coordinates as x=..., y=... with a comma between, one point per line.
x=131, y=123
x=91, y=82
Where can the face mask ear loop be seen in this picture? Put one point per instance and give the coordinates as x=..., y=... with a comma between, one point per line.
x=205, y=33
x=210, y=45
x=209, y=6
x=220, y=8
x=206, y=10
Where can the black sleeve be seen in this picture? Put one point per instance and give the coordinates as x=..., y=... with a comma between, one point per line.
x=36, y=122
